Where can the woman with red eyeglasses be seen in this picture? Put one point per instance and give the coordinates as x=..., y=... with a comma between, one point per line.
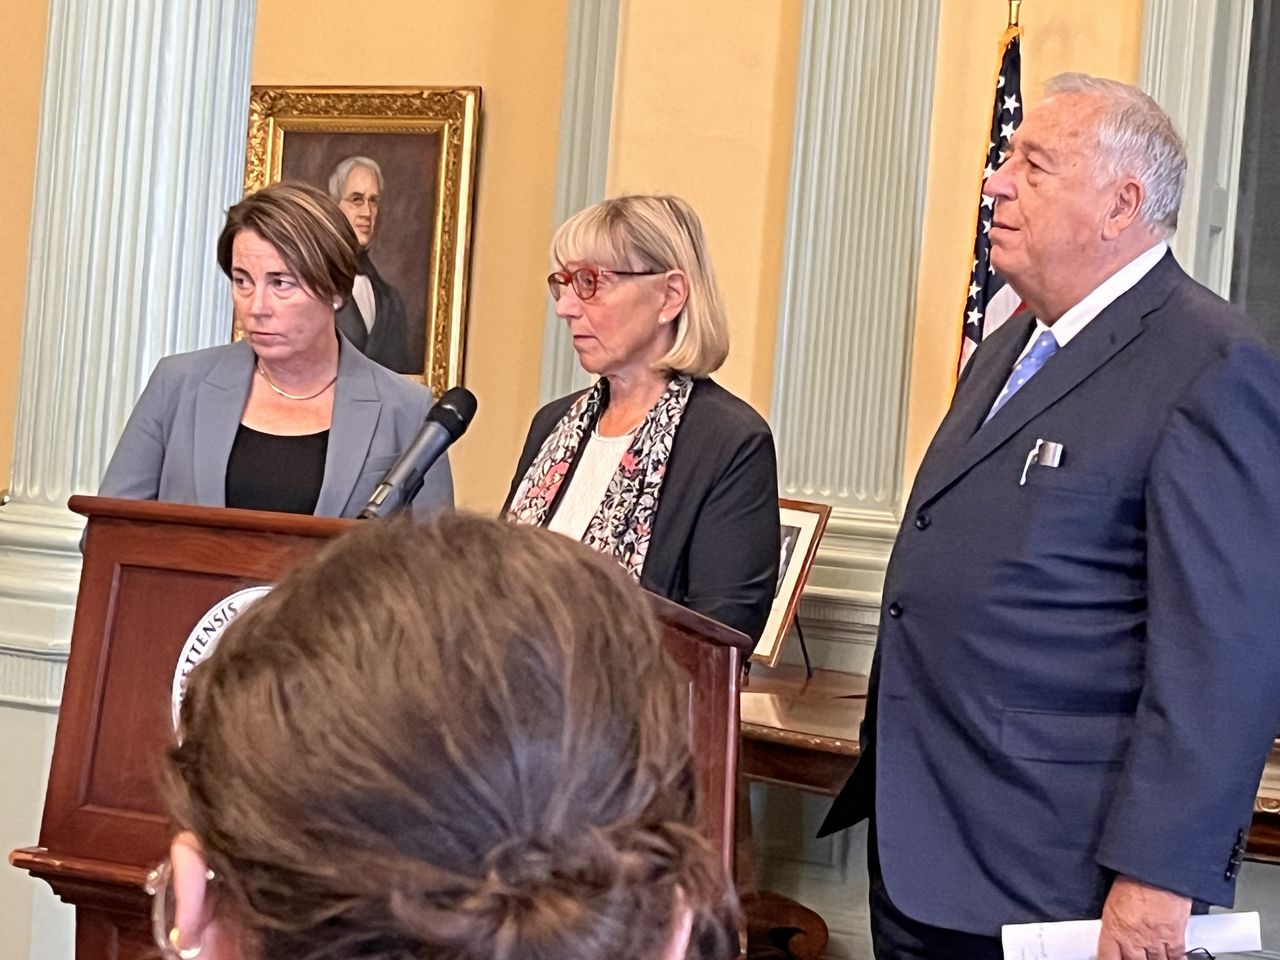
x=655, y=465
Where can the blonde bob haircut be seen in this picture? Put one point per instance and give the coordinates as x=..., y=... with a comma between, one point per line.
x=656, y=232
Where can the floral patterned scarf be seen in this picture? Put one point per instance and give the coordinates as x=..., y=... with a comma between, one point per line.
x=623, y=523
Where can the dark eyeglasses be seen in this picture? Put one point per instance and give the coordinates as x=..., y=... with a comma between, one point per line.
x=586, y=280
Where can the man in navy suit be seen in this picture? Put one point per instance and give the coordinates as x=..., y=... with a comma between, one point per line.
x=1077, y=677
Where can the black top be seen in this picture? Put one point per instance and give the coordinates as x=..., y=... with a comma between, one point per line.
x=716, y=537
x=267, y=471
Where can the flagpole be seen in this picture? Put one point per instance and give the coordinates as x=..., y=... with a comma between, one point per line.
x=1014, y=6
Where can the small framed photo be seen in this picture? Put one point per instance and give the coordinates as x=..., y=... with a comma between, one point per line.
x=401, y=164
x=803, y=523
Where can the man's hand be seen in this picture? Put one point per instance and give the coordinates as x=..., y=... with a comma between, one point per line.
x=1141, y=922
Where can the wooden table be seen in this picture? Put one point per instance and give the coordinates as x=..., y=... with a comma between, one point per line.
x=801, y=734
x=805, y=735
x=1264, y=837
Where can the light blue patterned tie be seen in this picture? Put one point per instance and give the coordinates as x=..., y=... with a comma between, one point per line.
x=1044, y=348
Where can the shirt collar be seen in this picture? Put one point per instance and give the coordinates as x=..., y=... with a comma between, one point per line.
x=1102, y=296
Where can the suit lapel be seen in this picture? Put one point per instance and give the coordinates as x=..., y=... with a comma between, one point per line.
x=983, y=379
x=220, y=401
x=978, y=391
x=1101, y=339
x=356, y=408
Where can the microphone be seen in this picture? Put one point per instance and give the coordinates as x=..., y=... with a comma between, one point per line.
x=445, y=423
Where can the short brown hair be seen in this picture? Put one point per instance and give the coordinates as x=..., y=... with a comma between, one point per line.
x=308, y=230
x=656, y=232
x=462, y=739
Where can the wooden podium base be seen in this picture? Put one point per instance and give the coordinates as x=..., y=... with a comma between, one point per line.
x=153, y=572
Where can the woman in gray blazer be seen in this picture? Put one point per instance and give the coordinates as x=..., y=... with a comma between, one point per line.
x=291, y=417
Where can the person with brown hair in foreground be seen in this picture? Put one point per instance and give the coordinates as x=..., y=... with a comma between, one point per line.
x=414, y=748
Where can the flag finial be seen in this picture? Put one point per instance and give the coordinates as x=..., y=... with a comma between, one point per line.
x=1013, y=12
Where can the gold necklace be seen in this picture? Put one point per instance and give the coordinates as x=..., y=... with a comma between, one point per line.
x=290, y=396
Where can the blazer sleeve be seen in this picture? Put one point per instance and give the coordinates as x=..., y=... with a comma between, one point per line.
x=135, y=467
x=736, y=540
x=436, y=495
x=1210, y=702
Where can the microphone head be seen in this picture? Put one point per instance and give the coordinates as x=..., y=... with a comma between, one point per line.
x=454, y=411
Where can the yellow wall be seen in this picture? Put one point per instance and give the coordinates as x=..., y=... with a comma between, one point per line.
x=703, y=108
x=1056, y=37
x=515, y=52
x=23, y=27
x=726, y=150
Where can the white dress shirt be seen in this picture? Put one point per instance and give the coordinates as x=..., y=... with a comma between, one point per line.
x=1102, y=296
x=362, y=291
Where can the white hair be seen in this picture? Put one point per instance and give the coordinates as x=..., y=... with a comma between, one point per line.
x=1138, y=139
x=338, y=179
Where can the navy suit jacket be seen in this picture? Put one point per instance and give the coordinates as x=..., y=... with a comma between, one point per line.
x=716, y=537
x=1079, y=676
x=178, y=439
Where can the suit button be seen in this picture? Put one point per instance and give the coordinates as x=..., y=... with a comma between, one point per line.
x=895, y=610
x=922, y=520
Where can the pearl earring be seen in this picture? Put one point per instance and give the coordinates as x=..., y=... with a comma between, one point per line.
x=190, y=953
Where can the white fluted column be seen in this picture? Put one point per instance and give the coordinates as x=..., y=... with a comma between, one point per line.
x=1207, y=105
x=863, y=103
x=583, y=158
x=860, y=154
x=141, y=151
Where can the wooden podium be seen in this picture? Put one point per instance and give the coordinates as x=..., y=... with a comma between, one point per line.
x=151, y=572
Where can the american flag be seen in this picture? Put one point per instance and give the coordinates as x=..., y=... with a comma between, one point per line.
x=991, y=301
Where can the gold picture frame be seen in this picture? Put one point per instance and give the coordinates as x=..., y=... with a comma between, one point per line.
x=425, y=141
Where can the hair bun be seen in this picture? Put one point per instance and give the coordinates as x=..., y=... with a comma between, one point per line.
x=582, y=861
x=550, y=896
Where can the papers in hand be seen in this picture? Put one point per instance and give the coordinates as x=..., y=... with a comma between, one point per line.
x=1078, y=939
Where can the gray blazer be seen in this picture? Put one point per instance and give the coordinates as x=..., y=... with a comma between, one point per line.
x=178, y=439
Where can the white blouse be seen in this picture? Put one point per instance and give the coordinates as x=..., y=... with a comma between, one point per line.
x=598, y=461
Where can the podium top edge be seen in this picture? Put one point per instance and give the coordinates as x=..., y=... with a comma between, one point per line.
x=712, y=631
x=262, y=521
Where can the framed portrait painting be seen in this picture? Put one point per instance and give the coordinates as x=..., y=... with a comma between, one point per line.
x=401, y=164
x=803, y=523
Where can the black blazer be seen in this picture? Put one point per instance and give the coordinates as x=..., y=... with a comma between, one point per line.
x=716, y=538
x=393, y=342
